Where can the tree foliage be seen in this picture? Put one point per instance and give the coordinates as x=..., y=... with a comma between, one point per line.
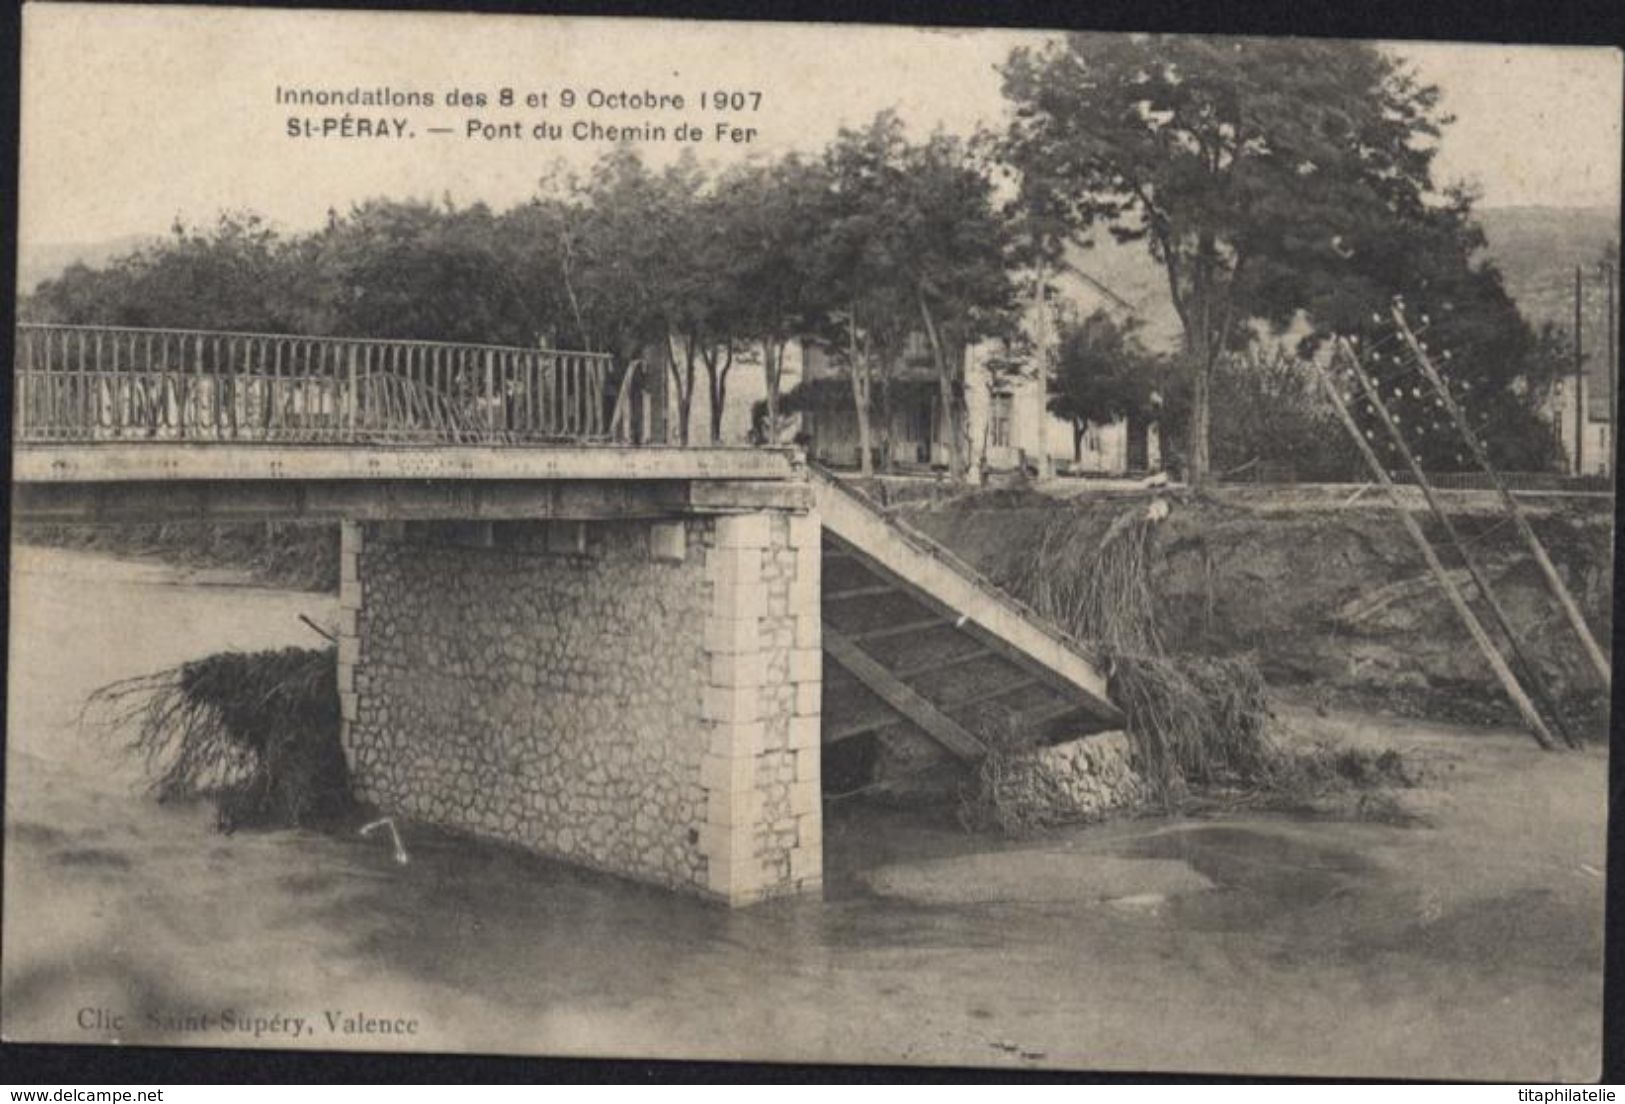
x=1102, y=373
x=913, y=242
x=1245, y=165
x=1270, y=413
x=1499, y=368
x=771, y=215
x=618, y=260
x=235, y=275
x=415, y=270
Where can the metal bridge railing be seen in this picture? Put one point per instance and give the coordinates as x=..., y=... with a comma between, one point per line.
x=113, y=383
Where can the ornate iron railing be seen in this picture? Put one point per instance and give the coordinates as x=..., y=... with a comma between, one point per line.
x=112, y=383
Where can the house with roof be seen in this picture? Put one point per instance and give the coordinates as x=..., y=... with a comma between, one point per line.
x=1587, y=441
x=1008, y=424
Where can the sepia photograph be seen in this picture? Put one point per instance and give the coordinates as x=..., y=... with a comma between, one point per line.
x=788, y=542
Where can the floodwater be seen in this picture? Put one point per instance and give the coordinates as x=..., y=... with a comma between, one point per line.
x=1468, y=946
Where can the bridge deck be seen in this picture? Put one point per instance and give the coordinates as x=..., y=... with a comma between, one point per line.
x=115, y=483
x=153, y=461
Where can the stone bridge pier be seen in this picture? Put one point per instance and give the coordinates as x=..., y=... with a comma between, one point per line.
x=639, y=695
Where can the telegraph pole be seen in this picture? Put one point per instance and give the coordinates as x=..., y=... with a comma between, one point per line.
x=1475, y=628
x=1611, y=334
x=1579, y=381
x=1520, y=661
x=1571, y=608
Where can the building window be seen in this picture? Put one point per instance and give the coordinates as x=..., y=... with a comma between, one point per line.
x=999, y=420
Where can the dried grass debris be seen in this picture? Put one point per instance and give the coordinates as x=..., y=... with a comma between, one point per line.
x=255, y=732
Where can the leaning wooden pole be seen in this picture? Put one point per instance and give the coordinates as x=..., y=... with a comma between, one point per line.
x=1525, y=667
x=1509, y=682
x=1571, y=608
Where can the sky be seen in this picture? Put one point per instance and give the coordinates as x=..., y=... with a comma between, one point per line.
x=133, y=117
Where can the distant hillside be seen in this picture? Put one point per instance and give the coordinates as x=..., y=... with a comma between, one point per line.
x=38, y=261
x=1536, y=249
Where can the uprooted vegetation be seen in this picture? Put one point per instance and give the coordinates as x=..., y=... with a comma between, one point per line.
x=256, y=733
x=1204, y=727
x=1200, y=728
x=1194, y=722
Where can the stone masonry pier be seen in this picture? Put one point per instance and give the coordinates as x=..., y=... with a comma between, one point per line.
x=640, y=696
x=606, y=654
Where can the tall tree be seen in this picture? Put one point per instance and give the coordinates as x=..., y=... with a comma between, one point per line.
x=714, y=308
x=694, y=297
x=1040, y=227
x=622, y=239
x=775, y=212
x=433, y=272
x=1241, y=163
x=853, y=265
x=1102, y=373
x=237, y=274
x=916, y=230
x=545, y=239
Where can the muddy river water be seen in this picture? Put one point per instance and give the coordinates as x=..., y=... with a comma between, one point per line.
x=1467, y=945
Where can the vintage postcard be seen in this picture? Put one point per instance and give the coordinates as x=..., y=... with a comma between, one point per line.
x=811, y=543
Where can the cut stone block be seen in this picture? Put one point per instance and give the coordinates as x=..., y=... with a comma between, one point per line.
x=668, y=541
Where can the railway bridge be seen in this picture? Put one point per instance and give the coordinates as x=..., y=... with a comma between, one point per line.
x=557, y=628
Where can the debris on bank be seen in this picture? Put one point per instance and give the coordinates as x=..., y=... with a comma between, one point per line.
x=1328, y=600
x=1194, y=720
x=1199, y=728
x=256, y=733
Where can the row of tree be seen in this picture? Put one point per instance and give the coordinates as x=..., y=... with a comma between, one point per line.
x=1276, y=182
x=876, y=237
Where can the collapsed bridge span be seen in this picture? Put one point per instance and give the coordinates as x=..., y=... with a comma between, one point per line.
x=557, y=629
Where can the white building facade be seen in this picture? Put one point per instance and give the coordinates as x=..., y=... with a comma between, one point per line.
x=1590, y=451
